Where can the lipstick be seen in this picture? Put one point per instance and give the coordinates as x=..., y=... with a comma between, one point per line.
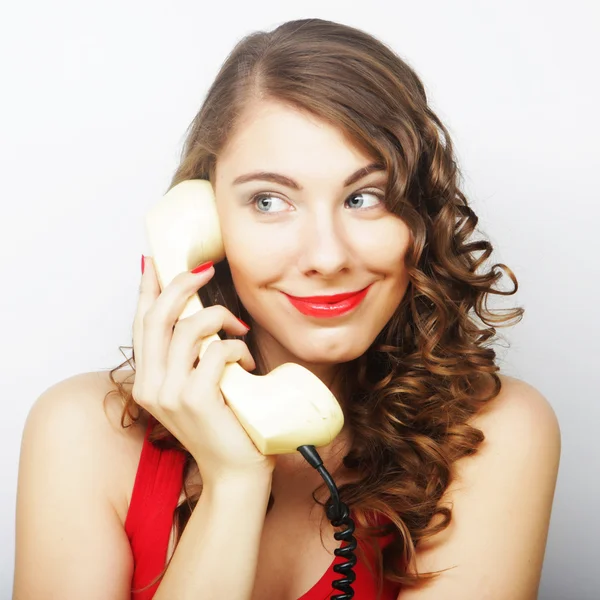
x=337, y=305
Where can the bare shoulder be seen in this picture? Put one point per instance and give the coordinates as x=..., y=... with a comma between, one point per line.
x=519, y=408
x=89, y=401
x=501, y=500
x=86, y=409
x=522, y=435
x=75, y=467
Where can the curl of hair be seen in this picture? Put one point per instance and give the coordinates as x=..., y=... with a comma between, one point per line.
x=431, y=368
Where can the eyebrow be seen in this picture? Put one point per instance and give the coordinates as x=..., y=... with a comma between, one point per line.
x=288, y=182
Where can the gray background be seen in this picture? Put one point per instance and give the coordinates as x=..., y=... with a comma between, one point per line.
x=96, y=100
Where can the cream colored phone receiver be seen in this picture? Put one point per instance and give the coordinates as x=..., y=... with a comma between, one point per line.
x=280, y=411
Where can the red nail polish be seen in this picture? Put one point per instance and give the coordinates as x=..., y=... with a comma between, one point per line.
x=244, y=324
x=203, y=267
x=142, y=264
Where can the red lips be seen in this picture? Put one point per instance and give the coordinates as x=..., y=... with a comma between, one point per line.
x=325, y=299
x=328, y=309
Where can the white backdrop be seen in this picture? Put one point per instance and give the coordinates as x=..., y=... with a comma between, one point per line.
x=96, y=98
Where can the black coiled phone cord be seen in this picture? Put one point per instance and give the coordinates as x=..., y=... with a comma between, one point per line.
x=339, y=515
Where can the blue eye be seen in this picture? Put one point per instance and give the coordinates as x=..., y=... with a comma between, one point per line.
x=259, y=199
x=265, y=201
x=379, y=197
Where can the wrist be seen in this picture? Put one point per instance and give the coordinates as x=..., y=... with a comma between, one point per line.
x=244, y=492
x=241, y=482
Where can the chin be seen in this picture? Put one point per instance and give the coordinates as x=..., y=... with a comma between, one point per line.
x=327, y=355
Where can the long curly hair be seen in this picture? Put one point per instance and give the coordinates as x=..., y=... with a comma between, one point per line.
x=432, y=367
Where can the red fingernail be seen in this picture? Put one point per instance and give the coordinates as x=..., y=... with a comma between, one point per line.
x=142, y=264
x=244, y=324
x=203, y=267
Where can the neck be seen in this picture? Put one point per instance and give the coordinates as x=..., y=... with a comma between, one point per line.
x=294, y=480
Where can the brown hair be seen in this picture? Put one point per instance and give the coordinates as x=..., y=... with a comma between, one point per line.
x=431, y=368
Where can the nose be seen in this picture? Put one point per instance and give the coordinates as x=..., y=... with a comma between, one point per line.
x=324, y=245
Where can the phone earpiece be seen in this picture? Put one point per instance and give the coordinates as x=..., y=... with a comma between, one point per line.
x=290, y=406
x=183, y=229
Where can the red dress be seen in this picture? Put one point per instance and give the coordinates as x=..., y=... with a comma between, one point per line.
x=156, y=490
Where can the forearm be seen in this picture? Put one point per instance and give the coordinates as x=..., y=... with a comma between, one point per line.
x=217, y=554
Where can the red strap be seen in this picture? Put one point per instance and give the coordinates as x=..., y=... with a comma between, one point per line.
x=155, y=494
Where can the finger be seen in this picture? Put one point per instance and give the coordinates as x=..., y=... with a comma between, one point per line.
x=190, y=332
x=160, y=318
x=149, y=290
x=176, y=293
x=209, y=371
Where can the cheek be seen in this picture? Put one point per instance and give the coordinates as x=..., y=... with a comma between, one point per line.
x=246, y=250
x=386, y=248
x=253, y=265
x=256, y=252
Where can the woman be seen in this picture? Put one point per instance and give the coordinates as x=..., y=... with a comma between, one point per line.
x=331, y=175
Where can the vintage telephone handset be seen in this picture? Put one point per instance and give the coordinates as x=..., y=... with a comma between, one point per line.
x=290, y=409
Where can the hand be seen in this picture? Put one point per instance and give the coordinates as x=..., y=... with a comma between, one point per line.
x=187, y=399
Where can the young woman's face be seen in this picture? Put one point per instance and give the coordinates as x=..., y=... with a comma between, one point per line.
x=311, y=235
